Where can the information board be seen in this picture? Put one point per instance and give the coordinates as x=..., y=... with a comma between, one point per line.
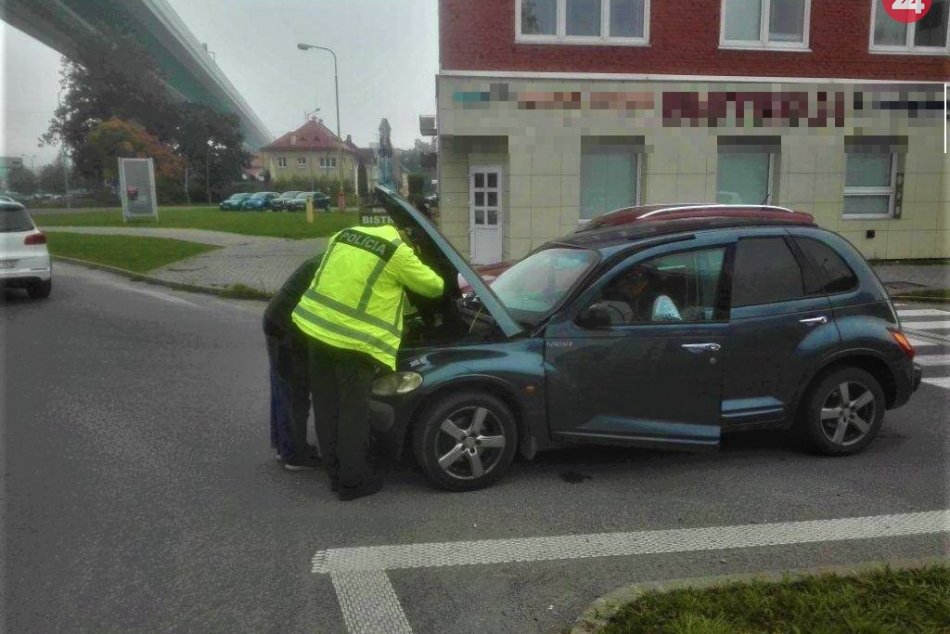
x=137, y=188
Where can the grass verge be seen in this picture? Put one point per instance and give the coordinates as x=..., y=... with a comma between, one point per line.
x=273, y=225
x=131, y=253
x=242, y=291
x=878, y=601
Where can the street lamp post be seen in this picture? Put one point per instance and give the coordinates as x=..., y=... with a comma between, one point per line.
x=62, y=149
x=341, y=197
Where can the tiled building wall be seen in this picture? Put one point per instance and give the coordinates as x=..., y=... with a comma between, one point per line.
x=542, y=152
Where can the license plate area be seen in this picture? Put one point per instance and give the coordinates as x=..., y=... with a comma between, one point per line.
x=7, y=264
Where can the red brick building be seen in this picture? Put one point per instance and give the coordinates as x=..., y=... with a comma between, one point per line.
x=553, y=111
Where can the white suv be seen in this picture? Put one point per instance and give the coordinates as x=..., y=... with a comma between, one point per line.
x=24, y=258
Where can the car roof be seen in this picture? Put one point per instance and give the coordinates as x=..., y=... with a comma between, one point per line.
x=635, y=223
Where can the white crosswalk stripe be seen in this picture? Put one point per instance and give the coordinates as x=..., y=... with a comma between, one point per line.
x=929, y=360
x=926, y=325
x=924, y=312
x=922, y=343
x=941, y=381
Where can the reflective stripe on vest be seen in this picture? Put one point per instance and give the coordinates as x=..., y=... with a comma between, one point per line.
x=345, y=331
x=354, y=313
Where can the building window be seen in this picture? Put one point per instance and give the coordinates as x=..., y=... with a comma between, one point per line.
x=301, y=161
x=281, y=161
x=871, y=177
x=746, y=170
x=610, y=174
x=583, y=21
x=327, y=162
x=929, y=35
x=765, y=24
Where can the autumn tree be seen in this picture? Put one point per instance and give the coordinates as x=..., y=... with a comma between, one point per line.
x=115, y=138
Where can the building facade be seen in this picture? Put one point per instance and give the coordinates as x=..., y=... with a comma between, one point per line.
x=311, y=152
x=551, y=112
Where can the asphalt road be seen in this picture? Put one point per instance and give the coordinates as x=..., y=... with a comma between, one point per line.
x=140, y=493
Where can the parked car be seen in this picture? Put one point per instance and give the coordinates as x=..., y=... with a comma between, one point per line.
x=9, y=200
x=234, y=201
x=259, y=201
x=280, y=203
x=24, y=257
x=320, y=201
x=660, y=327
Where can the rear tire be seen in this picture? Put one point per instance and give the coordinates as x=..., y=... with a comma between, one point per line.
x=40, y=290
x=465, y=441
x=842, y=412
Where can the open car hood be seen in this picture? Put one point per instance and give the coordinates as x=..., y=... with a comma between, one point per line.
x=439, y=253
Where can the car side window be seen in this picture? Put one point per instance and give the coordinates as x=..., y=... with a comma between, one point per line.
x=838, y=276
x=766, y=272
x=680, y=287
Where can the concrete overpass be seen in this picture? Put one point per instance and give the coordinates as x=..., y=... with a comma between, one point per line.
x=190, y=71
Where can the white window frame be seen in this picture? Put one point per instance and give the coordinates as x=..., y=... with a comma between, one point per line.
x=561, y=36
x=908, y=48
x=281, y=161
x=638, y=183
x=327, y=162
x=770, y=177
x=301, y=162
x=889, y=191
x=763, y=43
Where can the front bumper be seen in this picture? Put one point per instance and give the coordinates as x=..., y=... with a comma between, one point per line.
x=918, y=375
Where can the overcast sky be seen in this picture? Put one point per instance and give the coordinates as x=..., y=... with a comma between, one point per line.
x=387, y=51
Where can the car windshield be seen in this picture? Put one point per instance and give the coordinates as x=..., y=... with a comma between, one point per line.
x=289, y=194
x=304, y=194
x=534, y=286
x=14, y=220
x=259, y=196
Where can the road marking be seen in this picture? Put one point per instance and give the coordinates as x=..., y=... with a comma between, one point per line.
x=942, y=381
x=369, y=603
x=922, y=343
x=926, y=325
x=923, y=312
x=933, y=359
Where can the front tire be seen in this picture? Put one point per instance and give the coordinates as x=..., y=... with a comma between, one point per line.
x=465, y=441
x=842, y=412
x=40, y=290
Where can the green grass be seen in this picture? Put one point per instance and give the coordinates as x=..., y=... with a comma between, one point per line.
x=131, y=253
x=243, y=291
x=879, y=601
x=275, y=225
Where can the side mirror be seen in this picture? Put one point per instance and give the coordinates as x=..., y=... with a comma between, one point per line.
x=594, y=316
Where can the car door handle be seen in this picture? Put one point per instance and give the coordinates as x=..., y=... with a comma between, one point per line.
x=814, y=321
x=696, y=348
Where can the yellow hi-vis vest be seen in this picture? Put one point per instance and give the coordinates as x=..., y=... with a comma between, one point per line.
x=357, y=295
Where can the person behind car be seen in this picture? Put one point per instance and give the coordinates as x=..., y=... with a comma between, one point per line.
x=290, y=389
x=353, y=316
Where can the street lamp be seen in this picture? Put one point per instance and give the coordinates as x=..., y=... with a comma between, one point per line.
x=341, y=197
x=62, y=150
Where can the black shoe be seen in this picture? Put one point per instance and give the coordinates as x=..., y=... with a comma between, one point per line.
x=306, y=463
x=345, y=494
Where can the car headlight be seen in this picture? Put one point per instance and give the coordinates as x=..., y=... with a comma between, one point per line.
x=397, y=383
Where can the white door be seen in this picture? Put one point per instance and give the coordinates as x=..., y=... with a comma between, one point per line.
x=484, y=186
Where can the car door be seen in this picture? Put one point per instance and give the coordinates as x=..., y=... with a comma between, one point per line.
x=652, y=375
x=780, y=324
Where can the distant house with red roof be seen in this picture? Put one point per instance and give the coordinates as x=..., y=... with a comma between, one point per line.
x=311, y=151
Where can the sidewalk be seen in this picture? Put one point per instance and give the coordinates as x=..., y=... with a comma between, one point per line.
x=264, y=263
x=258, y=262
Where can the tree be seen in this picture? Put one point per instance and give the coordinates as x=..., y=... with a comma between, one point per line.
x=116, y=138
x=21, y=180
x=52, y=177
x=111, y=76
x=211, y=144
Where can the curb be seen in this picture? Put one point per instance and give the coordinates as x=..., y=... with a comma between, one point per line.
x=148, y=279
x=598, y=614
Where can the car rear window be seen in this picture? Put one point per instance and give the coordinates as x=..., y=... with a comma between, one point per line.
x=15, y=220
x=838, y=276
x=766, y=272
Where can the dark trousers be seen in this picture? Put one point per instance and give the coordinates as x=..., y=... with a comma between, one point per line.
x=290, y=395
x=340, y=385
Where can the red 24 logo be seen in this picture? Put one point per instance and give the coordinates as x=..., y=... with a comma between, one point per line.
x=907, y=11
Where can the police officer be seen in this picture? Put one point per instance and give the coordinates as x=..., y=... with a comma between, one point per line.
x=353, y=313
x=287, y=354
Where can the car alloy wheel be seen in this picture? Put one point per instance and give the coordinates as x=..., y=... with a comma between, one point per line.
x=848, y=413
x=465, y=440
x=842, y=411
x=470, y=443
